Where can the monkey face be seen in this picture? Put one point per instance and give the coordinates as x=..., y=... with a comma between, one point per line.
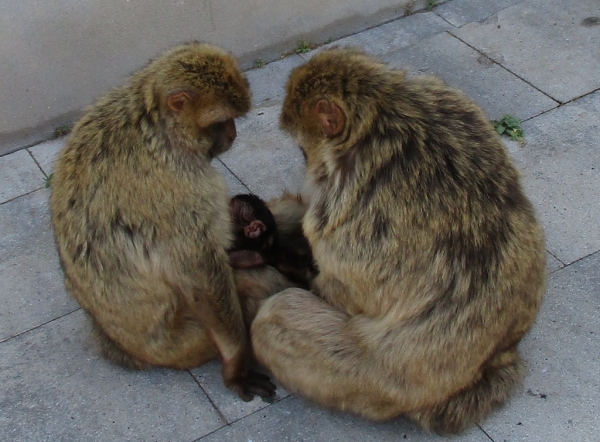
x=220, y=135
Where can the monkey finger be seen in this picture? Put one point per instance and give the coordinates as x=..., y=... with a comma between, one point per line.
x=260, y=384
x=255, y=384
x=241, y=391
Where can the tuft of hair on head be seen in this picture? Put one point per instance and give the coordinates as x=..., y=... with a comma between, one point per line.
x=316, y=105
x=199, y=73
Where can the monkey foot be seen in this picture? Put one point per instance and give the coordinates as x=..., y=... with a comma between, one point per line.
x=254, y=384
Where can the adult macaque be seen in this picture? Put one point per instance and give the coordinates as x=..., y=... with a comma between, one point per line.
x=142, y=220
x=431, y=260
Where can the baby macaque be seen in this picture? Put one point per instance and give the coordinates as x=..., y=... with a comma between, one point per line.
x=254, y=232
x=259, y=242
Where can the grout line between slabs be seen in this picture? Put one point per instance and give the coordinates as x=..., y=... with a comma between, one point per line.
x=455, y=27
x=558, y=103
x=22, y=195
x=565, y=266
x=36, y=161
x=556, y=257
x=39, y=325
x=572, y=100
x=219, y=412
x=244, y=417
x=485, y=432
x=236, y=177
x=578, y=260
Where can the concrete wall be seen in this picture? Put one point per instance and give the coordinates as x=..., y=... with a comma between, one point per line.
x=56, y=56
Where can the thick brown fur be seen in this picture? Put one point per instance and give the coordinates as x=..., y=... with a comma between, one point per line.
x=142, y=220
x=431, y=260
x=292, y=255
x=255, y=285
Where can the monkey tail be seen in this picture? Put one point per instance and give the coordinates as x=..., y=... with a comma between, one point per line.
x=500, y=378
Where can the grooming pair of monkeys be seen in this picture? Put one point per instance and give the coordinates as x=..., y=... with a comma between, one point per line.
x=431, y=263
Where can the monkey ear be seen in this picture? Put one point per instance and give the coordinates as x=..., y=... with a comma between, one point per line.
x=255, y=229
x=176, y=101
x=331, y=117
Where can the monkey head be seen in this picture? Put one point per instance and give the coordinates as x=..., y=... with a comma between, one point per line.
x=253, y=223
x=199, y=91
x=321, y=108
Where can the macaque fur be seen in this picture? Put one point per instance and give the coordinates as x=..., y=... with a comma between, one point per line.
x=271, y=234
x=142, y=221
x=431, y=260
x=276, y=256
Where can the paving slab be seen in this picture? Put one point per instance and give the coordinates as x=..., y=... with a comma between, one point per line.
x=32, y=291
x=552, y=264
x=56, y=387
x=263, y=157
x=460, y=12
x=491, y=86
x=228, y=403
x=552, y=44
x=19, y=175
x=293, y=419
x=268, y=82
x=560, y=398
x=234, y=185
x=46, y=153
x=561, y=175
x=391, y=36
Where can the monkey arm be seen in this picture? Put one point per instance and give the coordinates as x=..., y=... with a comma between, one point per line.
x=289, y=210
x=217, y=303
x=246, y=259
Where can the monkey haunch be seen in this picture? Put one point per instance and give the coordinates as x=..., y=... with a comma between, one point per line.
x=142, y=220
x=431, y=260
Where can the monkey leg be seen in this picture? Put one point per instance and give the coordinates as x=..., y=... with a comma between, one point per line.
x=305, y=343
x=500, y=378
x=256, y=285
x=347, y=363
x=180, y=344
x=114, y=352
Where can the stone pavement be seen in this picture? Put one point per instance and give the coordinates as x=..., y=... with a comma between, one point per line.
x=536, y=59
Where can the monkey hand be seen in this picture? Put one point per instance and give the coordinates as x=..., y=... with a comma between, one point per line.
x=253, y=383
x=246, y=259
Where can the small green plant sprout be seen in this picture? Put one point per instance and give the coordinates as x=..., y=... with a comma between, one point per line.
x=63, y=130
x=509, y=125
x=303, y=47
x=48, y=181
x=431, y=4
x=259, y=62
x=329, y=40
